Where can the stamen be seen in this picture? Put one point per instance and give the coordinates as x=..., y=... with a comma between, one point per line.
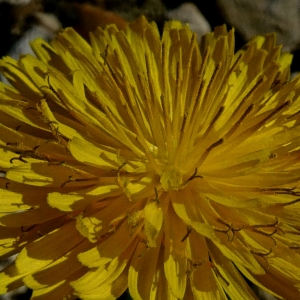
x=250, y=93
x=208, y=150
x=77, y=180
x=211, y=82
x=296, y=247
x=284, y=191
x=209, y=128
x=104, y=56
x=193, y=177
x=265, y=225
x=214, y=145
x=110, y=75
x=189, y=230
x=275, y=83
x=273, y=113
x=281, y=191
x=66, y=182
x=206, y=57
x=36, y=147
x=24, y=229
x=55, y=132
x=230, y=228
x=240, y=120
x=20, y=158
x=217, y=116
x=289, y=203
x=50, y=86
x=255, y=228
x=163, y=105
x=263, y=255
x=52, y=122
x=232, y=69
x=156, y=196
x=183, y=122
x=194, y=266
x=270, y=235
x=120, y=167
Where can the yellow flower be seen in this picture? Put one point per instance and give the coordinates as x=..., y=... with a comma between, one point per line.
x=151, y=163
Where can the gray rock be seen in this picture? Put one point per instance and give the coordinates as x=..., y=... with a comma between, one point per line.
x=189, y=13
x=252, y=17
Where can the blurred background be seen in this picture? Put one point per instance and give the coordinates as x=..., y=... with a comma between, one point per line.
x=24, y=20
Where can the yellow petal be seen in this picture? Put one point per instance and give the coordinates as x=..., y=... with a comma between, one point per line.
x=111, y=247
x=38, y=173
x=28, y=174
x=250, y=276
x=143, y=274
x=175, y=264
x=96, y=224
x=153, y=222
x=10, y=279
x=235, y=166
x=190, y=214
x=48, y=248
x=19, y=78
x=36, y=69
x=203, y=282
x=67, y=131
x=58, y=270
x=272, y=283
x=12, y=202
x=81, y=199
x=230, y=279
x=29, y=217
x=99, y=156
x=107, y=291
x=57, y=291
x=8, y=240
x=238, y=252
x=103, y=278
x=205, y=285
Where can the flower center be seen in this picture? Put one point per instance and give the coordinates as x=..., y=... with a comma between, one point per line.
x=171, y=179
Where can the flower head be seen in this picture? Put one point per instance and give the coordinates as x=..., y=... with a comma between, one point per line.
x=151, y=163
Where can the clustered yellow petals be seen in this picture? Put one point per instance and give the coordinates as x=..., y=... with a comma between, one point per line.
x=150, y=162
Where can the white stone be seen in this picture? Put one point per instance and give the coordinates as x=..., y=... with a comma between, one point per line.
x=252, y=17
x=189, y=13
